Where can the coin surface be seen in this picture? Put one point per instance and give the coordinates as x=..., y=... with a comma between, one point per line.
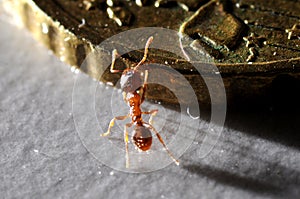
x=251, y=42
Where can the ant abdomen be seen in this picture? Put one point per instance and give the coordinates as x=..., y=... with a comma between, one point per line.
x=142, y=138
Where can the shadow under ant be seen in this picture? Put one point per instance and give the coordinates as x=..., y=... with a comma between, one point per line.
x=231, y=179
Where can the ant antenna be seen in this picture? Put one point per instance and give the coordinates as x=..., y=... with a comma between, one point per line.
x=149, y=41
x=115, y=54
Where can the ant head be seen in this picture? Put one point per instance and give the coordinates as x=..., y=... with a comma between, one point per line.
x=131, y=80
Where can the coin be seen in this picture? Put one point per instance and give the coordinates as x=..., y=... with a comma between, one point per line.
x=251, y=42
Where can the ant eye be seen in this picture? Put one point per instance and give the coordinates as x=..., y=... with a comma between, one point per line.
x=139, y=90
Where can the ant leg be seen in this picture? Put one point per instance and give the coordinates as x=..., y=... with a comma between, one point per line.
x=163, y=143
x=112, y=123
x=153, y=113
x=115, y=54
x=144, y=86
x=126, y=140
x=149, y=41
x=146, y=77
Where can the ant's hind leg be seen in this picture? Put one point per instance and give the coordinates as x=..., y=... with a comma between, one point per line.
x=126, y=140
x=163, y=143
x=112, y=123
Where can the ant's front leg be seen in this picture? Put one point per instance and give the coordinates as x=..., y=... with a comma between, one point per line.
x=152, y=112
x=112, y=123
x=144, y=87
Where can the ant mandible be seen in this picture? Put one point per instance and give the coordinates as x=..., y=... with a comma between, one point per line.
x=134, y=89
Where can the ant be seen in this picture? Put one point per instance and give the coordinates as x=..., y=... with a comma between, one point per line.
x=134, y=89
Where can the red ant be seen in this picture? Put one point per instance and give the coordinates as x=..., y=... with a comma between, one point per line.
x=134, y=89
